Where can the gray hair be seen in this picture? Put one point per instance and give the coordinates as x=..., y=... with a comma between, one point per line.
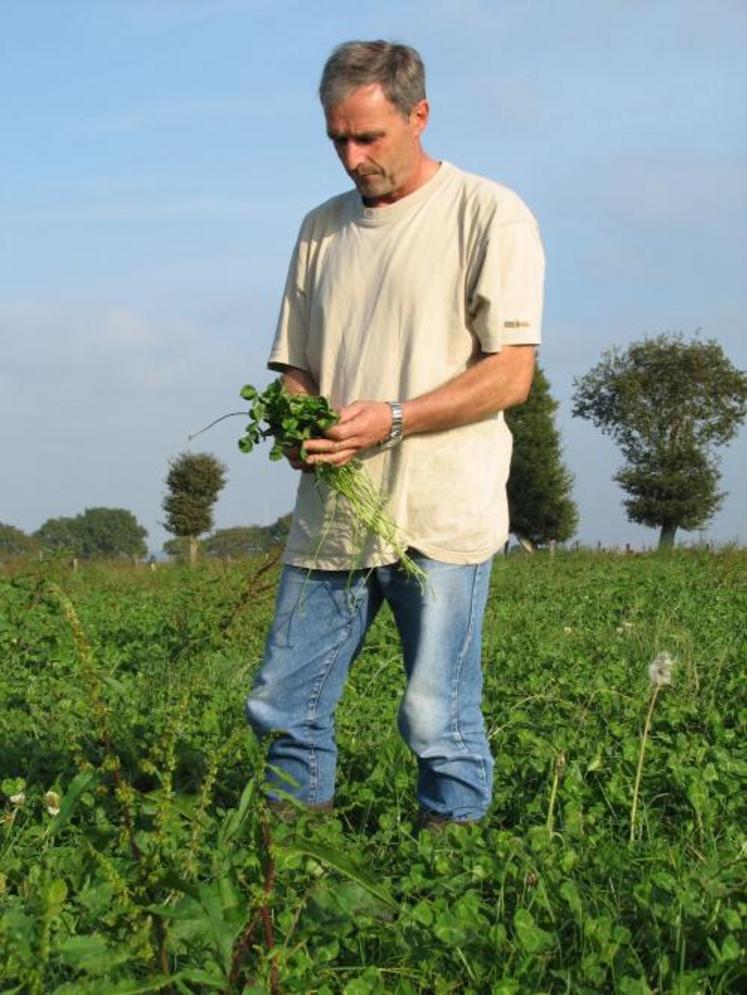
x=398, y=69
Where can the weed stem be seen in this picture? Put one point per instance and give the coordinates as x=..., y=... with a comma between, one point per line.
x=639, y=772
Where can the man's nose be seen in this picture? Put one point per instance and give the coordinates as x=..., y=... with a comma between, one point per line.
x=352, y=156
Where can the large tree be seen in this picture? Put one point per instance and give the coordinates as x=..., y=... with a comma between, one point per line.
x=539, y=485
x=97, y=532
x=668, y=403
x=194, y=481
x=111, y=532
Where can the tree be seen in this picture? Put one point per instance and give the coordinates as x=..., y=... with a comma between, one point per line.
x=246, y=540
x=97, y=532
x=194, y=481
x=15, y=542
x=280, y=529
x=539, y=485
x=60, y=535
x=178, y=549
x=241, y=540
x=111, y=532
x=668, y=403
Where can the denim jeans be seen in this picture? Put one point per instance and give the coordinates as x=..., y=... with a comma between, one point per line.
x=320, y=622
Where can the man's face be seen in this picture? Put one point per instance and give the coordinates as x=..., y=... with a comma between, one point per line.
x=378, y=145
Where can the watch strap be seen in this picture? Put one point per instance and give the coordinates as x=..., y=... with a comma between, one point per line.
x=395, y=432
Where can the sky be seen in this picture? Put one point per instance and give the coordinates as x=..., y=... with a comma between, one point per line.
x=157, y=157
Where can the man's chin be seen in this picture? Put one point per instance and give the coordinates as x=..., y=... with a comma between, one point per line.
x=370, y=186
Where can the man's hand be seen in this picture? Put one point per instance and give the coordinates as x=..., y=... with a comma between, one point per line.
x=362, y=425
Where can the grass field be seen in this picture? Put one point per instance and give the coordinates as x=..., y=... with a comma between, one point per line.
x=137, y=854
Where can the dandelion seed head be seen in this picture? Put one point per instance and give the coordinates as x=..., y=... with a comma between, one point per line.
x=660, y=670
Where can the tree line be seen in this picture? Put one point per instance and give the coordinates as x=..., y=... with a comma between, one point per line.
x=120, y=536
x=667, y=402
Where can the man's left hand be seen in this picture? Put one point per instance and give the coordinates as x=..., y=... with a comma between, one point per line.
x=362, y=425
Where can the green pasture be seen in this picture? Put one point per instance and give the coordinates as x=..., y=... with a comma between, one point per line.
x=137, y=853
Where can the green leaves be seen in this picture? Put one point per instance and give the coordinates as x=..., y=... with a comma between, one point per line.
x=539, y=485
x=194, y=481
x=85, y=781
x=532, y=938
x=357, y=902
x=290, y=419
x=293, y=419
x=667, y=403
x=351, y=868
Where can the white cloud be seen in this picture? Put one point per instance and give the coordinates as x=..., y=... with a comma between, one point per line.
x=122, y=328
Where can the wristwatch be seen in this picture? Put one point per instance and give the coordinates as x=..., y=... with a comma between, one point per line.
x=395, y=432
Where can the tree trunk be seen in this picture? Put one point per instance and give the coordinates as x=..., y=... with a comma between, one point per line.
x=192, y=550
x=666, y=536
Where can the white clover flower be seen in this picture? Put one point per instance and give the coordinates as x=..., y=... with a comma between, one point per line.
x=18, y=799
x=660, y=670
x=567, y=630
x=52, y=801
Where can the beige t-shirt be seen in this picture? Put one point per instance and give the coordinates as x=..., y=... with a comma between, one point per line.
x=385, y=304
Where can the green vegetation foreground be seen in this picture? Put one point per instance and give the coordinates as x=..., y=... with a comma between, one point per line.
x=137, y=853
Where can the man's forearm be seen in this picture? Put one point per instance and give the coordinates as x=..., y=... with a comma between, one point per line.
x=498, y=381
x=296, y=381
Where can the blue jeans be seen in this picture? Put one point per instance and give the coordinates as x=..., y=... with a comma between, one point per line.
x=320, y=622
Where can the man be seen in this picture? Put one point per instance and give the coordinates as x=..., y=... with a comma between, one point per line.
x=414, y=303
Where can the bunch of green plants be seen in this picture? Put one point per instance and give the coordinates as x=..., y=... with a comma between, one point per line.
x=291, y=420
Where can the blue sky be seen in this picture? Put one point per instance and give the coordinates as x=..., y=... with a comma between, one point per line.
x=158, y=155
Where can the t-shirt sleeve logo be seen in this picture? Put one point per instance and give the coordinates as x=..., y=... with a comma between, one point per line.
x=516, y=324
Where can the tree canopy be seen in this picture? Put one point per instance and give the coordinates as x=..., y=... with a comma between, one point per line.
x=97, y=532
x=246, y=540
x=539, y=485
x=16, y=542
x=194, y=481
x=235, y=542
x=241, y=540
x=668, y=403
x=60, y=534
x=111, y=532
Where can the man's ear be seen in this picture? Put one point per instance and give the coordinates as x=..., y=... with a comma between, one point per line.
x=419, y=117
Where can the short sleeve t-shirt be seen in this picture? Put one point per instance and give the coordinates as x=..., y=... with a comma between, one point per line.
x=388, y=303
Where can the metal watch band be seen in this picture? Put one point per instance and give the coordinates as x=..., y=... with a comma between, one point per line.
x=395, y=432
